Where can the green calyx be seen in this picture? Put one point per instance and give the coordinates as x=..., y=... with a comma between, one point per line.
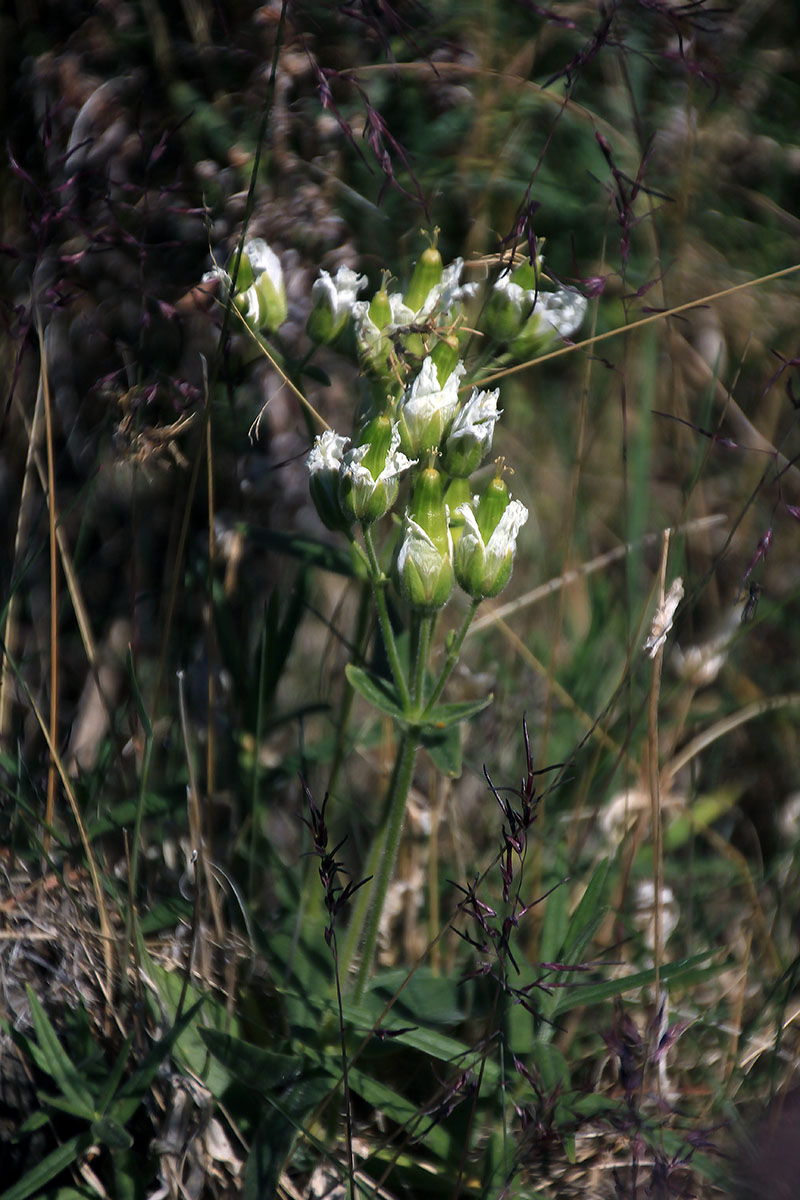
x=379, y=435
x=380, y=310
x=445, y=357
x=493, y=503
x=427, y=273
x=428, y=507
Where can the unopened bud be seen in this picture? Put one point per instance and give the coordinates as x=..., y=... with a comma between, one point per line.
x=426, y=275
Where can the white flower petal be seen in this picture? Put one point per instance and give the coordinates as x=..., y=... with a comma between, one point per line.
x=263, y=258
x=338, y=292
x=504, y=537
x=564, y=310
x=477, y=418
x=327, y=451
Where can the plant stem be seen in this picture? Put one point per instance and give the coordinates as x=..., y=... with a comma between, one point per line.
x=393, y=828
x=452, y=655
x=377, y=579
x=422, y=649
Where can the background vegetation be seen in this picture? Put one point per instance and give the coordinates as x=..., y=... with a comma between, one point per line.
x=176, y=621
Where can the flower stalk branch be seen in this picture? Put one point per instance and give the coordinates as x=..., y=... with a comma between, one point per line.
x=378, y=582
x=389, y=843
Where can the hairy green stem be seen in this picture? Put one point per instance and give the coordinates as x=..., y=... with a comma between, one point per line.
x=422, y=651
x=389, y=845
x=378, y=579
x=452, y=655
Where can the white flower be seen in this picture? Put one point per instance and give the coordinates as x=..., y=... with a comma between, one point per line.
x=470, y=436
x=424, y=569
x=527, y=318
x=324, y=467
x=261, y=294
x=564, y=310
x=518, y=295
x=334, y=297
x=428, y=408
x=483, y=568
x=366, y=495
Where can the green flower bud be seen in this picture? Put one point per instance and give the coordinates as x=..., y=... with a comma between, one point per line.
x=528, y=275
x=491, y=506
x=427, y=274
x=372, y=323
x=370, y=472
x=380, y=307
x=484, y=556
x=425, y=558
x=324, y=464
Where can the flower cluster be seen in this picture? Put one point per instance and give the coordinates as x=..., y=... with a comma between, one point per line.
x=408, y=346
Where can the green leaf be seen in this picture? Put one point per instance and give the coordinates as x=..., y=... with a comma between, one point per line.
x=379, y=692
x=184, y=1039
x=276, y=1133
x=402, y=1111
x=687, y=970
x=445, y=715
x=588, y=916
x=166, y=914
x=552, y=1066
x=292, y=1089
x=261, y=1069
x=35, y=1121
x=444, y=747
x=121, y=815
x=704, y=812
x=109, y=1133
x=114, y=1077
x=51, y=1057
x=135, y=1088
x=137, y=697
x=425, y=997
x=49, y=1167
x=556, y=919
